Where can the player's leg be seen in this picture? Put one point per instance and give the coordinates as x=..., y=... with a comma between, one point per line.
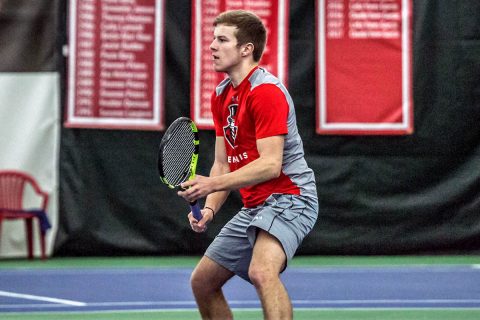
x=268, y=261
x=207, y=281
x=229, y=252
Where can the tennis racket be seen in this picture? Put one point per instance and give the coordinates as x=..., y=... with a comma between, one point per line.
x=178, y=155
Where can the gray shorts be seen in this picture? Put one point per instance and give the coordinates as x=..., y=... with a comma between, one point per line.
x=289, y=218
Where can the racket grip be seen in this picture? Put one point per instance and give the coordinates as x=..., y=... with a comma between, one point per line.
x=196, y=210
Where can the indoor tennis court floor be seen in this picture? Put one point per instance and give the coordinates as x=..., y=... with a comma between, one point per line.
x=320, y=288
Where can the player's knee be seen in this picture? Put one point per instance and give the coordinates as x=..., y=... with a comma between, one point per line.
x=261, y=276
x=197, y=281
x=202, y=282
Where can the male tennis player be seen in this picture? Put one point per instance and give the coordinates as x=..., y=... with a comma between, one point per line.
x=258, y=150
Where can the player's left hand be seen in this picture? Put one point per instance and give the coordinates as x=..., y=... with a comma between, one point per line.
x=198, y=187
x=200, y=226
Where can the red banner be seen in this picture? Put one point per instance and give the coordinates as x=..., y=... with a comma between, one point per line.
x=364, y=63
x=274, y=15
x=115, y=69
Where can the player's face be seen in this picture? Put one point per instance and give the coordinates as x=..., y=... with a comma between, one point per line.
x=225, y=52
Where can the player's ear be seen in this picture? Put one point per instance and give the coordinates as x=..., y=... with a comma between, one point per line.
x=247, y=49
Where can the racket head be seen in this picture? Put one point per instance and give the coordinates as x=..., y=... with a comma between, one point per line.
x=178, y=152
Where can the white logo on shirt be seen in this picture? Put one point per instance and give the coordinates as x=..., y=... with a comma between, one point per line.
x=237, y=158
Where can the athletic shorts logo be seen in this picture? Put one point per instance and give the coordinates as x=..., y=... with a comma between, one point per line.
x=230, y=130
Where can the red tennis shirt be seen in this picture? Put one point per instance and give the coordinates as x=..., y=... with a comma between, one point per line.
x=259, y=107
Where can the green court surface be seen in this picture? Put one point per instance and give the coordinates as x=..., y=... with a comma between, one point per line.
x=396, y=314
x=190, y=261
x=299, y=313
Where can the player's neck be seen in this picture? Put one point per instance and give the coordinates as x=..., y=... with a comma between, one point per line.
x=238, y=75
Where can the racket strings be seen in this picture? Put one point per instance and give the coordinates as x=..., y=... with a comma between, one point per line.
x=177, y=154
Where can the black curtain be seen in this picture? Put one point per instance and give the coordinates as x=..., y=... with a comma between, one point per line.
x=27, y=35
x=378, y=194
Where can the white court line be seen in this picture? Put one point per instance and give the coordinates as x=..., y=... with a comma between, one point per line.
x=256, y=302
x=295, y=302
x=85, y=312
x=41, y=298
x=388, y=301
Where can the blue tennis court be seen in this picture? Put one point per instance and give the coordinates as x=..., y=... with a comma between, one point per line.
x=25, y=290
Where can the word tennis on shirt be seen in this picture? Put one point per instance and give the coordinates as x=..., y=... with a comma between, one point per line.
x=238, y=158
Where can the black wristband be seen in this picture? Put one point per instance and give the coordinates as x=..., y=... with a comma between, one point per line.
x=213, y=212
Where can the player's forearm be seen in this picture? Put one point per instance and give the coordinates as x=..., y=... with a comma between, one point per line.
x=215, y=200
x=258, y=171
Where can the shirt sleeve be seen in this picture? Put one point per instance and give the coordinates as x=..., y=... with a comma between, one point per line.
x=269, y=108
